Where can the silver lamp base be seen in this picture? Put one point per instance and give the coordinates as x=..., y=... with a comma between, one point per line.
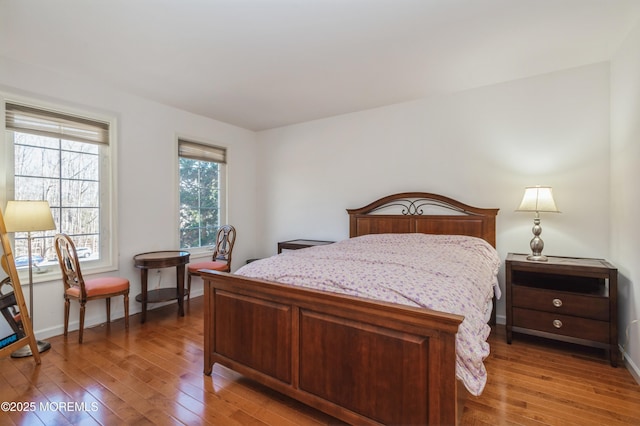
x=539, y=258
x=25, y=351
x=536, y=243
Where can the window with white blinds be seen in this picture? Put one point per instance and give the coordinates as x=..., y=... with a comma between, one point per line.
x=64, y=159
x=202, y=170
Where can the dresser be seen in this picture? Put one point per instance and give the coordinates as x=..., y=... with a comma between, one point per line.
x=565, y=298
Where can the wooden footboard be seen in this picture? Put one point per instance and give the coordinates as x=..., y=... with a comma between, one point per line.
x=361, y=361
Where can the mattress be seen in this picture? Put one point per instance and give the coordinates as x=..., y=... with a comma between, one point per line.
x=448, y=273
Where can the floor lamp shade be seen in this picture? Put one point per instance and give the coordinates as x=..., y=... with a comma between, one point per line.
x=28, y=216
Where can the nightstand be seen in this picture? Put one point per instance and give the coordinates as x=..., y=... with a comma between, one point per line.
x=569, y=299
x=299, y=244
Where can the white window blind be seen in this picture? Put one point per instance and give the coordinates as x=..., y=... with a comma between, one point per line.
x=21, y=118
x=201, y=152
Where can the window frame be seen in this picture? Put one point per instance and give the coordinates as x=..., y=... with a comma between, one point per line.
x=107, y=180
x=222, y=177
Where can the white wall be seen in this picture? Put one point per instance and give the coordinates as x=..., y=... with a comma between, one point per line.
x=625, y=196
x=147, y=176
x=480, y=146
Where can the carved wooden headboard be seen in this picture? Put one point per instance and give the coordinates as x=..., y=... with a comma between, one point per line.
x=458, y=219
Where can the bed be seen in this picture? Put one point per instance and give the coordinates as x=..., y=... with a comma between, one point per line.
x=360, y=360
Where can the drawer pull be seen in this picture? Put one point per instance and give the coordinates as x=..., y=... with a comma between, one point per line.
x=557, y=323
x=557, y=303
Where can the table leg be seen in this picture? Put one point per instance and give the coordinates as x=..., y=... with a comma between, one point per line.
x=180, y=281
x=144, y=273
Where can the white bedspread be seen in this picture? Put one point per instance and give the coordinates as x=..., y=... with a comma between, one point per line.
x=449, y=273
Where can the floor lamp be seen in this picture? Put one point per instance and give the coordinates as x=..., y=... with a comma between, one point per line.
x=29, y=216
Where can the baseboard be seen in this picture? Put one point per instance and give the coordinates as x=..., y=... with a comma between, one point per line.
x=631, y=366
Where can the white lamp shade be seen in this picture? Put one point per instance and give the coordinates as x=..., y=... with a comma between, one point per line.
x=538, y=199
x=28, y=216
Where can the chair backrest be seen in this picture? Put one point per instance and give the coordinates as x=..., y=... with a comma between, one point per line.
x=69, y=264
x=225, y=240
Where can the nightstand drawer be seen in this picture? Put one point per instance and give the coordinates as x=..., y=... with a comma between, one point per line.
x=586, y=306
x=582, y=328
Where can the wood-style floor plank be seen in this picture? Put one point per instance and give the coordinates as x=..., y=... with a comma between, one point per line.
x=152, y=375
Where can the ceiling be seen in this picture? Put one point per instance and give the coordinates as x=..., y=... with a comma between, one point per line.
x=260, y=64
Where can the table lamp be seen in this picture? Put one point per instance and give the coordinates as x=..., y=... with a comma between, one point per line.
x=29, y=216
x=537, y=199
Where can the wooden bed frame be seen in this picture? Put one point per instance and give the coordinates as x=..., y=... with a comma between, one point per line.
x=359, y=360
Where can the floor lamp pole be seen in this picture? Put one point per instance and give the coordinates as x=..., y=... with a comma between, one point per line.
x=25, y=351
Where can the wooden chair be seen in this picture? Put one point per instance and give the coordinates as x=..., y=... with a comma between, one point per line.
x=221, y=260
x=77, y=288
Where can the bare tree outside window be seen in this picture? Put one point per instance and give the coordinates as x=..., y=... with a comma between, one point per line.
x=66, y=174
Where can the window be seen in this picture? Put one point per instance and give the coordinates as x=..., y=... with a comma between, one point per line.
x=64, y=159
x=202, y=195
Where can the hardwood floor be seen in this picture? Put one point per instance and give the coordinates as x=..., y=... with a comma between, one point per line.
x=153, y=375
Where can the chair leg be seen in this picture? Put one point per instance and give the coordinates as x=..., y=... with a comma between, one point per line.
x=108, y=301
x=188, y=286
x=67, y=304
x=81, y=322
x=126, y=311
